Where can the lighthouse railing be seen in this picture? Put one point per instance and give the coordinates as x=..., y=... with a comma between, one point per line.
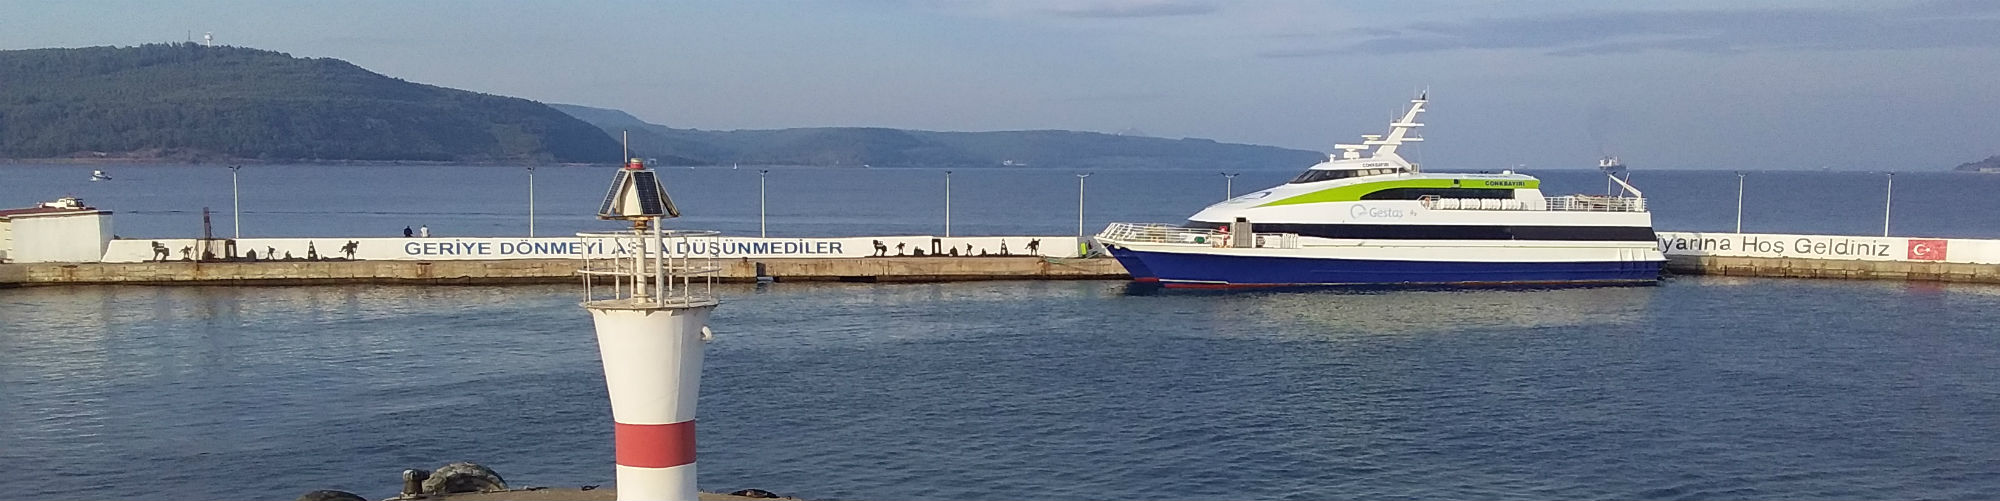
x=658, y=268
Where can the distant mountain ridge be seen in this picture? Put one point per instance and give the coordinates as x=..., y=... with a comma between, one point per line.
x=191, y=102
x=882, y=147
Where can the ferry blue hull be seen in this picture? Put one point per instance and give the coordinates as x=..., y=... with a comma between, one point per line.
x=1211, y=270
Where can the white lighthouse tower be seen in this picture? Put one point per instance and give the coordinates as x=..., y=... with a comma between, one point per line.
x=650, y=300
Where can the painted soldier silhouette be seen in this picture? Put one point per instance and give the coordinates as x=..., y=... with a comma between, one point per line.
x=350, y=248
x=1035, y=246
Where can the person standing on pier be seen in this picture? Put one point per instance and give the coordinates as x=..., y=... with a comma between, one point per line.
x=424, y=231
x=407, y=233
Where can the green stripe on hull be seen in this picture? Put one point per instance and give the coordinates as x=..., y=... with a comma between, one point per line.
x=1353, y=192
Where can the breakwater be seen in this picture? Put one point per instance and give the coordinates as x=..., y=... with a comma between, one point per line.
x=1832, y=256
x=1801, y=267
x=501, y=271
x=1688, y=253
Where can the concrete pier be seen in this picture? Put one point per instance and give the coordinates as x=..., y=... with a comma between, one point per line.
x=873, y=269
x=504, y=271
x=1833, y=268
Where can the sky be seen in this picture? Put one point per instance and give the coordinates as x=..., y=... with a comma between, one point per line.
x=1696, y=84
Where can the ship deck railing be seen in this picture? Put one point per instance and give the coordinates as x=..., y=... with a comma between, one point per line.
x=1577, y=203
x=1161, y=233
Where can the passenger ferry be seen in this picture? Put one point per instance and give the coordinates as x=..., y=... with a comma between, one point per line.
x=1377, y=219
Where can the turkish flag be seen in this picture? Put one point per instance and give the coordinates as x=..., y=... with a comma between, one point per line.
x=1927, y=249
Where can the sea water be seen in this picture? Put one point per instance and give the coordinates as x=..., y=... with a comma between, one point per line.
x=335, y=201
x=1700, y=388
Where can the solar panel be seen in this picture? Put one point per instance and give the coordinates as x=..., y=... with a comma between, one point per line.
x=611, y=197
x=649, y=192
x=635, y=194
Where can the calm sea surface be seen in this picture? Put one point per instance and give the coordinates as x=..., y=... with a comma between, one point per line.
x=1700, y=388
x=356, y=201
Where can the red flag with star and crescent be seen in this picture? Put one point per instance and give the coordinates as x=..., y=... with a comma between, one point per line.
x=1927, y=249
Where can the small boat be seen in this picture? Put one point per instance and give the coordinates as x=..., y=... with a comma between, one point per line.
x=66, y=203
x=98, y=175
x=1610, y=165
x=1379, y=219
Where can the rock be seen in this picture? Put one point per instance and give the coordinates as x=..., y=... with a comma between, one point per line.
x=463, y=477
x=330, y=495
x=756, y=493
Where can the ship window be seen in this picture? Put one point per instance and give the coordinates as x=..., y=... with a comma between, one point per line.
x=1317, y=175
x=1419, y=193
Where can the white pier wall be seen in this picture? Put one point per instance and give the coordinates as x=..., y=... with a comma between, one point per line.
x=726, y=247
x=62, y=237
x=1831, y=247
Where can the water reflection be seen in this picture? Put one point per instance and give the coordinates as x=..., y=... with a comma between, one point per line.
x=1341, y=312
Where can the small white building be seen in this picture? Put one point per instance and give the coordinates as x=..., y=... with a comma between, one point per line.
x=63, y=231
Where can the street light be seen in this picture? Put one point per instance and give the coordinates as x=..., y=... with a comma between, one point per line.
x=1888, y=198
x=1739, y=201
x=1079, y=204
x=531, y=201
x=236, y=199
x=947, y=203
x=760, y=202
x=1229, y=185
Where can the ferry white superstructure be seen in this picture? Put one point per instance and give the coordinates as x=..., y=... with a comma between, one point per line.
x=1377, y=219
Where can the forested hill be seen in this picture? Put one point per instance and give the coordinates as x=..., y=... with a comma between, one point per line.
x=858, y=146
x=190, y=102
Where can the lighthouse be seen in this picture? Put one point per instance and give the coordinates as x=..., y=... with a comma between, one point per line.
x=650, y=300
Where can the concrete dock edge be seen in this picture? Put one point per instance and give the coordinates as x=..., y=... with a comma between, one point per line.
x=516, y=271
x=1833, y=268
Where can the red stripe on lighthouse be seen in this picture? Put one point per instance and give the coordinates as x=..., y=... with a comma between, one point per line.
x=654, y=445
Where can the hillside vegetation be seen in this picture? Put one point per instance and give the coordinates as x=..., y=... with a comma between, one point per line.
x=858, y=146
x=192, y=102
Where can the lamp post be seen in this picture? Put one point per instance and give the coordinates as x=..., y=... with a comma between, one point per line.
x=1739, y=201
x=1229, y=185
x=947, y=203
x=760, y=202
x=1079, y=204
x=236, y=199
x=531, y=201
x=1888, y=198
